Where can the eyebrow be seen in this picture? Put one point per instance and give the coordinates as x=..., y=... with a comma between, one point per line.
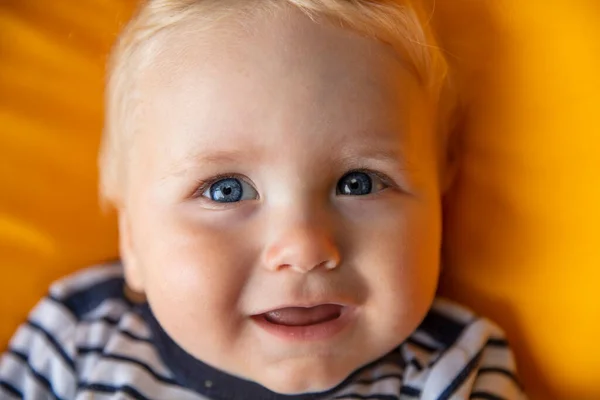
x=216, y=157
x=219, y=157
x=384, y=155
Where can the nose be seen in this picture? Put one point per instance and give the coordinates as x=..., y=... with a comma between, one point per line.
x=302, y=246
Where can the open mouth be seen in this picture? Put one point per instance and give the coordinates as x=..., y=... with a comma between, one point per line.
x=304, y=316
x=321, y=322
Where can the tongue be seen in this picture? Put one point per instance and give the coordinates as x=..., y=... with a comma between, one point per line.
x=299, y=316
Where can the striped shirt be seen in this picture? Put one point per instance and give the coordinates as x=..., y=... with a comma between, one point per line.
x=86, y=340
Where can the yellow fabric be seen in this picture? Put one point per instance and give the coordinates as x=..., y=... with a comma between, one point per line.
x=523, y=222
x=52, y=58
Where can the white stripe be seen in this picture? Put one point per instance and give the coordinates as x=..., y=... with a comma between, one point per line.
x=109, y=308
x=413, y=376
x=377, y=371
x=18, y=374
x=387, y=386
x=86, y=364
x=57, y=321
x=45, y=359
x=105, y=337
x=466, y=387
x=498, y=357
x=114, y=373
x=89, y=395
x=135, y=324
x=456, y=358
x=34, y=343
x=498, y=384
x=425, y=338
x=98, y=333
x=94, y=333
x=141, y=351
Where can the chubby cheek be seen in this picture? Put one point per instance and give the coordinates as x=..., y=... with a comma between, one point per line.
x=194, y=272
x=398, y=258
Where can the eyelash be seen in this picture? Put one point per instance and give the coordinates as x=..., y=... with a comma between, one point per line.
x=387, y=181
x=203, y=184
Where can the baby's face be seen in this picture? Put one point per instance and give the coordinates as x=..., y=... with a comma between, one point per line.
x=283, y=207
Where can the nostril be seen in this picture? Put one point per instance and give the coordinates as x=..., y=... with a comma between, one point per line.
x=301, y=250
x=284, y=266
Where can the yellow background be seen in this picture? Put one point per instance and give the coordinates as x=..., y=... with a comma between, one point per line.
x=523, y=222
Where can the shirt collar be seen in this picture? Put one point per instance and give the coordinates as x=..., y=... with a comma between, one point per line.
x=193, y=374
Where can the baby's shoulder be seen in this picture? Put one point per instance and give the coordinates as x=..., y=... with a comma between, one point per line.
x=85, y=309
x=88, y=308
x=84, y=337
x=448, y=326
x=448, y=322
x=96, y=291
x=457, y=352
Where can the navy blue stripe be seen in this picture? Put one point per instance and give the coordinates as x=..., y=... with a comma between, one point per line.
x=135, y=337
x=38, y=376
x=125, y=359
x=485, y=396
x=410, y=391
x=115, y=322
x=11, y=389
x=96, y=387
x=108, y=320
x=393, y=359
x=498, y=370
x=87, y=299
x=378, y=379
x=461, y=377
x=497, y=342
x=442, y=328
x=54, y=343
x=367, y=397
x=415, y=363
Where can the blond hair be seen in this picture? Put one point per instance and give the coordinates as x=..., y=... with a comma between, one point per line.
x=403, y=24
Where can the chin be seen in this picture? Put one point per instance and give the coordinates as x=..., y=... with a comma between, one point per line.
x=301, y=386
x=291, y=381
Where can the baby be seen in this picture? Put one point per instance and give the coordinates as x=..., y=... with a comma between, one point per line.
x=277, y=167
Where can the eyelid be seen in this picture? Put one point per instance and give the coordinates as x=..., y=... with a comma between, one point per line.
x=204, y=184
x=385, y=179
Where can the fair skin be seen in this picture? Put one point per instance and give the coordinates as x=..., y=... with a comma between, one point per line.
x=286, y=108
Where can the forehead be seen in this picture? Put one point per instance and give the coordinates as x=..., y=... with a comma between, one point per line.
x=275, y=80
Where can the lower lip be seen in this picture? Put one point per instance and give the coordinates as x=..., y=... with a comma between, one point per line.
x=321, y=331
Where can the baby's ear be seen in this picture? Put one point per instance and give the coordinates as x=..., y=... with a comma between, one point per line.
x=133, y=271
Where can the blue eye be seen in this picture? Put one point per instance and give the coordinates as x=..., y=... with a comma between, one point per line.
x=359, y=184
x=230, y=190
